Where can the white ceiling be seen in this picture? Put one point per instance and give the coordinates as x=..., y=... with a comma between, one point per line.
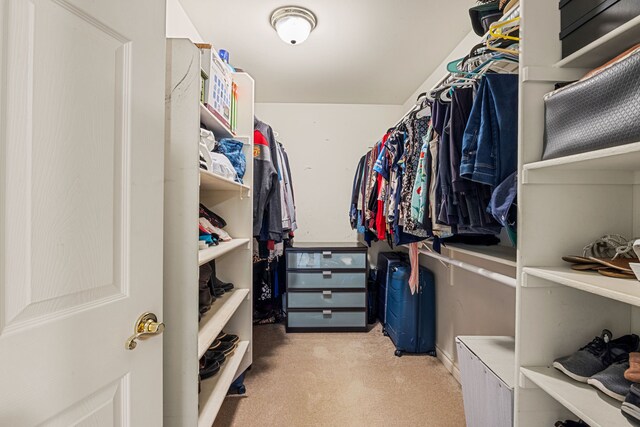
x=361, y=52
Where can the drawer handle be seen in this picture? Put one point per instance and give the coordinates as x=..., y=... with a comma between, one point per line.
x=326, y=293
x=326, y=274
x=326, y=312
x=326, y=254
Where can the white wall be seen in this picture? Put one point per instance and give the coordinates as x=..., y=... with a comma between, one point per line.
x=461, y=50
x=178, y=23
x=324, y=143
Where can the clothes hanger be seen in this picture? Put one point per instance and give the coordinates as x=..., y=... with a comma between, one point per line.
x=496, y=30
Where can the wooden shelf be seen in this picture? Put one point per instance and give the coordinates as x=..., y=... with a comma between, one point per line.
x=214, y=389
x=593, y=407
x=209, y=254
x=606, y=47
x=214, y=124
x=498, y=353
x=505, y=255
x=215, y=319
x=212, y=182
x=624, y=290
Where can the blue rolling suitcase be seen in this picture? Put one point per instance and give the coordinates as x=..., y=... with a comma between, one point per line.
x=411, y=319
x=386, y=260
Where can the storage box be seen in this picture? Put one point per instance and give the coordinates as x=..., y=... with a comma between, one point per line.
x=487, y=368
x=219, y=86
x=583, y=21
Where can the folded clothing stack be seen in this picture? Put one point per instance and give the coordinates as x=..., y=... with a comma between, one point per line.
x=210, y=225
x=224, y=157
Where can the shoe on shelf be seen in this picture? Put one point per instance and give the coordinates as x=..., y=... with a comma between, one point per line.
x=570, y=423
x=633, y=373
x=596, y=356
x=611, y=381
x=225, y=347
x=216, y=283
x=222, y=336
x=217, y=292
x=208, y=368
x=213, y=355
x=631, y=405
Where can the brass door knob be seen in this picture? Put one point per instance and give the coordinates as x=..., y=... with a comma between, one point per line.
x=146, y=325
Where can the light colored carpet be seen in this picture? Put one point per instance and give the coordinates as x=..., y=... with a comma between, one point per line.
x=341, y=379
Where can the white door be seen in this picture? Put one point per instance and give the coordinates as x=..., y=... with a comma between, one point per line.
x=81, y=182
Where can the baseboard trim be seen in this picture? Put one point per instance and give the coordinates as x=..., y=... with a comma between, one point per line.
x=448, y=364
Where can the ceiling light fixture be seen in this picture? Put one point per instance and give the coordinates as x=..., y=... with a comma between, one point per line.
x=293, y=24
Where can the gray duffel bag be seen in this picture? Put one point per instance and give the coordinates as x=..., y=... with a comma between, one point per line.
x=600, y=111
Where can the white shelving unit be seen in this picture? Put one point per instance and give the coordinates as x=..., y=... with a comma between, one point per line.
x=564, y=204
x=186, y=339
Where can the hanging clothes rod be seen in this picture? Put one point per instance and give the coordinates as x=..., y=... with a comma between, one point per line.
x=500, y=278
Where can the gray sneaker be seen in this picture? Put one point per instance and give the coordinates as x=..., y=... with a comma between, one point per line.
x=611, y=381
x=631, y=405
x=596, y=356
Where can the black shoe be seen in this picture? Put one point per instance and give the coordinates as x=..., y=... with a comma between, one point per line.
x=217, y=356
x=225, y=347
x=206, y=297
x=570, y=423
x=218, y=284
x=215, y=283
x=217, y=292
x=222, y=336
x=208, y=368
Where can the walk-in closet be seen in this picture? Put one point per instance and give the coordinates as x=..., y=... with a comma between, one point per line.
x=322, y=213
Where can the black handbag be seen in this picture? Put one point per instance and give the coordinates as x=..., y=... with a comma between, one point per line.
x=597, y=112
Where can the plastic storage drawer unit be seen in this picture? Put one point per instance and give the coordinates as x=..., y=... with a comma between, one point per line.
x=326, y=287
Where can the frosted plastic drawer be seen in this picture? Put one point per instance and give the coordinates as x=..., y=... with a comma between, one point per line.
x=327, y=319
x=327, y=299
x=326, y=279
x=326, y=259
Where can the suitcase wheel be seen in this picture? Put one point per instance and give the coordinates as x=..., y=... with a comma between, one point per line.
x=432, y=354
x=242, y=390
x=385, y=333
x=398, y=353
